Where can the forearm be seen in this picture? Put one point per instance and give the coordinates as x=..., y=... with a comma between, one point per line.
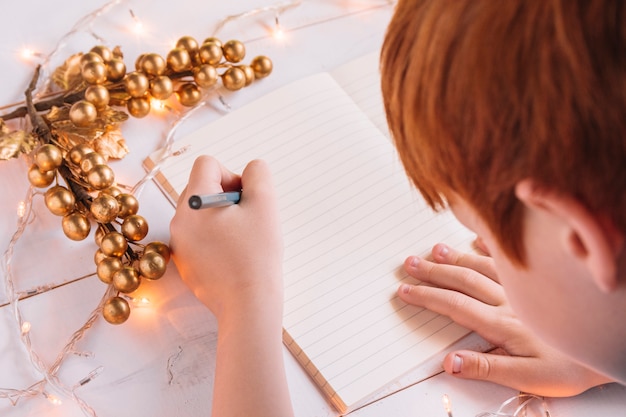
x=250, y=376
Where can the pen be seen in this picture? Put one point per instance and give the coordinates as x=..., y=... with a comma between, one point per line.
x=197, y=202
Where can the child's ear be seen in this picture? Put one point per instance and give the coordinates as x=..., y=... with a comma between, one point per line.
x=592, y=240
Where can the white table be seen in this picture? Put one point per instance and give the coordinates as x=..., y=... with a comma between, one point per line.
x=161, y=362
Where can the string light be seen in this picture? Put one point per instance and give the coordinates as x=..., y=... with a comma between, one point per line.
x=25, y=214
x=90, y=377
x=25, y=327
x=447, y=405
x=21, y=209
x=28, y=54
x=138, y=27
x=54, y=400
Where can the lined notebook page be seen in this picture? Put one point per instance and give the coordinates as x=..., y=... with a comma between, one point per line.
x=349, y=219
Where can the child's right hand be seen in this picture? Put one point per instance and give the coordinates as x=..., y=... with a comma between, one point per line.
x=231, y=257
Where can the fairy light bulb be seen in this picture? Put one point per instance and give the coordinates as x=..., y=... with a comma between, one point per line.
x=447, y=405
x=25, y=327
x=278, y=32
x=157, y=105
x=54, y=400
x=138, y=27
x=28, y=54
x=21, y=209
x=90, y=377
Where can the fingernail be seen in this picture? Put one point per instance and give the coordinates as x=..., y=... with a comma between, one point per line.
x=443, y=250
x=457, y=363
x=414, y=260
x=405, y=288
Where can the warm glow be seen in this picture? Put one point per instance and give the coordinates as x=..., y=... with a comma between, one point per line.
x=137, y=24
x=447, y=405
x=157, y=105
x=52, y=398
x=278, y=33
x=21, y=209
x=25, y=327
x=28, y=54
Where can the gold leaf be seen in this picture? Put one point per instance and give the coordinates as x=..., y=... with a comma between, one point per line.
x=57, y=114
x=14, y=143
x=111, y=116
x=117, y=52
x=4, y=129
x=111, y=144
x=68, y=76
x=68, y=135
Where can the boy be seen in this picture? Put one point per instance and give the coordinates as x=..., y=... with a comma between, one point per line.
x=512, y=114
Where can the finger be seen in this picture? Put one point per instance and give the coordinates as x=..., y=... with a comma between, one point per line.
x=256, y=182
x=464, y=310
x=457, y=278
x=484, y=265
x=209, y=176
x=480, y=247
x=528, y=374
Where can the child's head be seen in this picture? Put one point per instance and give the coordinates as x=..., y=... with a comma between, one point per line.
x=487, y=100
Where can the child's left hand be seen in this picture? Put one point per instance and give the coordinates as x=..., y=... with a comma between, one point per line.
x=466, y=289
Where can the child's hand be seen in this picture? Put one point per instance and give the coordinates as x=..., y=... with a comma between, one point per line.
x=231, y=257
x=466, y=288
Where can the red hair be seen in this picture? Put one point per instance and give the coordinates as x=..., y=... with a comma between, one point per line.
x=481, y=94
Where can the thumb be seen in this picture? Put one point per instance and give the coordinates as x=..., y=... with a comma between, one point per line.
x=517, y=372
x=554, y=376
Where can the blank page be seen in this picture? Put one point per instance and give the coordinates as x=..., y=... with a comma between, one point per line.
x=349, y=219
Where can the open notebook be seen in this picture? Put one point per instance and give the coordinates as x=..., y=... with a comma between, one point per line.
x=350, y=218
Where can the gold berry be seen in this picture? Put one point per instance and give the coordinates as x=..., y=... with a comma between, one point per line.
x=98, y=256
x=249, y=73
x=116, y=70
x=153, y=64
x=94, y=72
x=98, y=95
x=107, y=267
x=178, y=60
x=136, y=84
x=188, y=94
x=78, y=152
x=159, y=247
x=40, y=179
x=76, y=226
x=234, y=78
x=262, y=66
x=103, y=51
x=126, y=279
x=113, y=244
x=161, y=87
x=59, y=200
x=48, y=157
x=83, y=113
x=234, y=51
x=138, y=107
x=135, y=227
x=116, y=310
x=100, y=177
x=90, y=160
x=205, y=75
x=128, y=205
x=104, y=208
x=189, y=43
x=152, y=265
x=210, y=53
x=90, y=57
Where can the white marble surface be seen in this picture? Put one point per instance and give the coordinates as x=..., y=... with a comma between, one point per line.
x=161, y=362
